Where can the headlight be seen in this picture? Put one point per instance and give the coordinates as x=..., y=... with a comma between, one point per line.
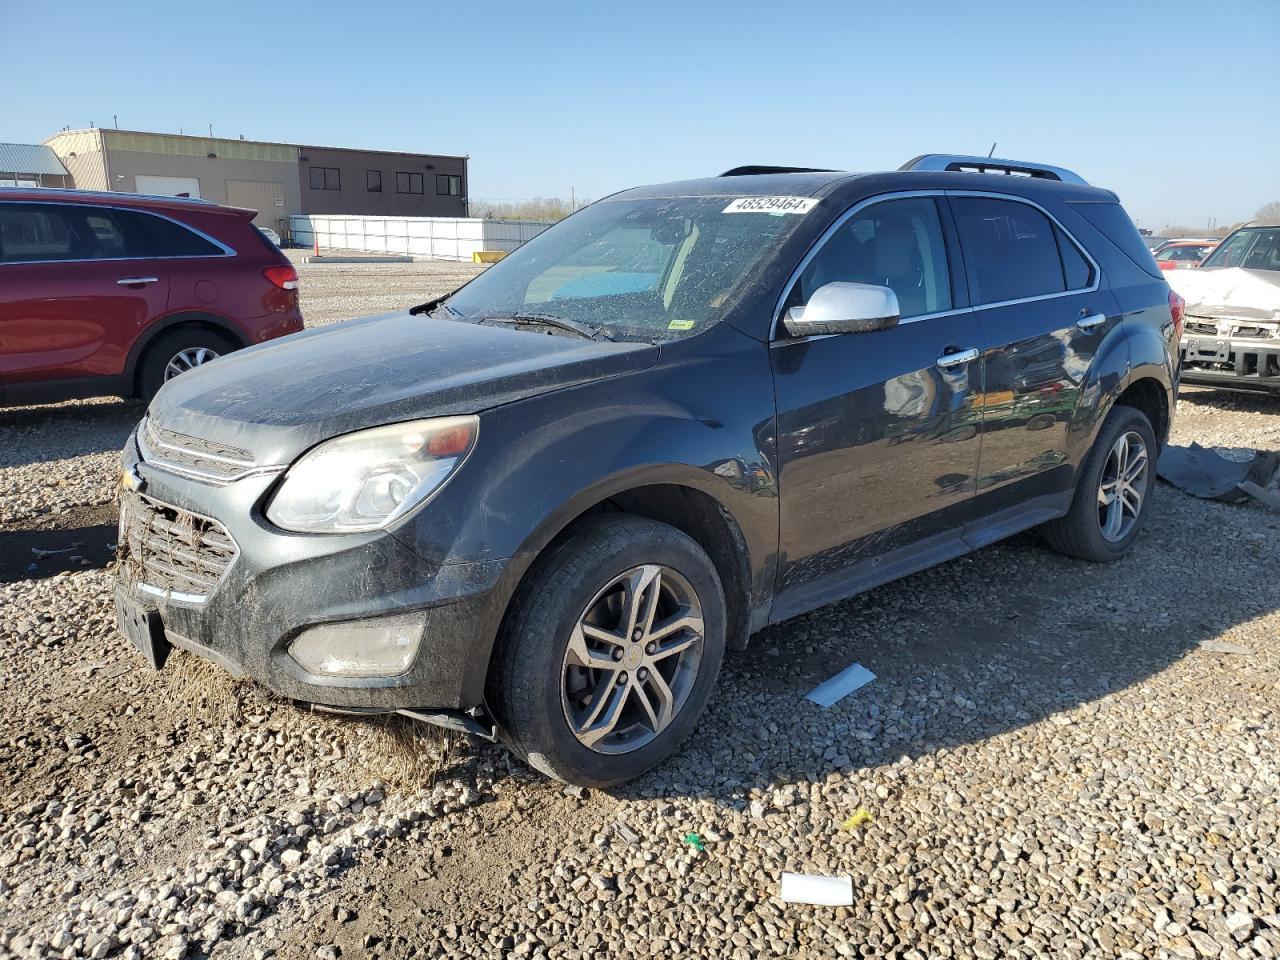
x=370, y=479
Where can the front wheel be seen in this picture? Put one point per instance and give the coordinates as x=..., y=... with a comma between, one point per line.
x=610, y=651
x=1113, y=493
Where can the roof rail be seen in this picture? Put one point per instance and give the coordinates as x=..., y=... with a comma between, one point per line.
x=752, y=169
x=955, y=162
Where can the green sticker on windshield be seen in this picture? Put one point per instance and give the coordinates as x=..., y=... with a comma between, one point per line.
x=680, y=325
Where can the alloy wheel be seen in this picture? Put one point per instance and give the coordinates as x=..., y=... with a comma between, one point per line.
x=632, y=659
x=188, y=359
x=1121, y=489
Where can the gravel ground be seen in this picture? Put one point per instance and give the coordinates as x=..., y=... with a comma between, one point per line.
x=1052, y=761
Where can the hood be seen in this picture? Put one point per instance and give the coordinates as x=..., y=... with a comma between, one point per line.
x=1229, y=292
x=278, y=399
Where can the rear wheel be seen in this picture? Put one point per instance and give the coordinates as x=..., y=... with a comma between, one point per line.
x=610, y=651
x=1113, y=494
x=177, y=352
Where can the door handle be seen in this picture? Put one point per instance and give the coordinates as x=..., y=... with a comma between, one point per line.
x=136, y=281
x=957, y=358
x=1091, y=321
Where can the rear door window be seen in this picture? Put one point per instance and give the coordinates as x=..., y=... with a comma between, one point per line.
x=1010, y=248
x=896, y=244
x=34, y=233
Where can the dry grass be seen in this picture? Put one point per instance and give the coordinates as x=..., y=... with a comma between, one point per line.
x=403, y=752
x=198, y=686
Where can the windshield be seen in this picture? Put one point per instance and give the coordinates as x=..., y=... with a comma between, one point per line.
x=1254, y=248
x=636, y=269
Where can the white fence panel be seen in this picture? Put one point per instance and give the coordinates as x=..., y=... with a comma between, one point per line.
x=438, y=238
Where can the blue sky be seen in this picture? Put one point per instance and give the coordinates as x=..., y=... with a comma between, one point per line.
x=1173, y=104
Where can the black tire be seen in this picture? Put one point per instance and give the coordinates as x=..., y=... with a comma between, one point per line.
x=1079, y=533
x=151, y=374
x=528, y=669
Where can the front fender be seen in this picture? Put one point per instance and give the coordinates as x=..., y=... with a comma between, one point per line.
x=701, y=418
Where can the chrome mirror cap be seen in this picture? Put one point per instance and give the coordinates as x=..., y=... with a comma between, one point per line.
x=844, y=308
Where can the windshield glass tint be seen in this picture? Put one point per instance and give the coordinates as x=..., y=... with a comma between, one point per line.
x=1256, y=248
x=638, y=269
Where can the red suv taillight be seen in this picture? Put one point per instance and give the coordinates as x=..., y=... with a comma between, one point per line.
x=286, y=278
x=1177, y=309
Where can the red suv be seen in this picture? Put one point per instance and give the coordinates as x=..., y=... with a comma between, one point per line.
x=115, y=293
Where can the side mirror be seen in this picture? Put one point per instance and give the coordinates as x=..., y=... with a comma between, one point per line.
x=844, y=308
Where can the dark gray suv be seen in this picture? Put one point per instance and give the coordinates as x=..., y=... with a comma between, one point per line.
x=541, y=508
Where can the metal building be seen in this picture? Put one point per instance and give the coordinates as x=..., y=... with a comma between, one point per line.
x=276, y=179
x=31, y=165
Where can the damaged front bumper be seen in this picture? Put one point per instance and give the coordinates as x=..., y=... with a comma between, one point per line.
x=202, y=569
x=1237, y=354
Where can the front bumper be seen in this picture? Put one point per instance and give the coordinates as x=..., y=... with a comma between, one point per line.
x=276, y=584
x=1242, y=363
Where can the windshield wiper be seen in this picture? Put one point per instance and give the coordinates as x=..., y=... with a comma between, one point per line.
x=584, y=330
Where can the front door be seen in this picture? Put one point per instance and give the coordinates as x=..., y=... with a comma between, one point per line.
x=1042, y=315
x=877, y=432
x=73, y=294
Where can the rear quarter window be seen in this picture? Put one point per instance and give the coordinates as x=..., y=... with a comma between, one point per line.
x=165, y=238
x=1112, y=222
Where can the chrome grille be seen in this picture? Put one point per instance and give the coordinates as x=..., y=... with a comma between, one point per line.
x=168, y=552
x=191, y=456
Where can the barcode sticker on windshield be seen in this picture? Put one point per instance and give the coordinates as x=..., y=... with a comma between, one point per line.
x=775, y=205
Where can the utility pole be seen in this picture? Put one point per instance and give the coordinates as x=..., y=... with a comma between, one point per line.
x=573, y=202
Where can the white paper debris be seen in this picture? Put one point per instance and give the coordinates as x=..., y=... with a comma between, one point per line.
x=820, y=891
x=840, y=686
x=1221, y=646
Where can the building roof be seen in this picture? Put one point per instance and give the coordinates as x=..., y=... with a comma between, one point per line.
x=29, y=158
x=150, y=141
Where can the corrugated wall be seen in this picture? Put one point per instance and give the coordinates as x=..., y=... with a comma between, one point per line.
x=81, y=153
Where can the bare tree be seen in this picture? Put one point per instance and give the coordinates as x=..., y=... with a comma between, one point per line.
x=1270, y=212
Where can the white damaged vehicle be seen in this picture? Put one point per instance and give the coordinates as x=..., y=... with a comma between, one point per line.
x=1231, y=338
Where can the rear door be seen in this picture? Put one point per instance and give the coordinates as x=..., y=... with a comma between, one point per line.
x=76, y=287
x=877, y=431
x=1042, y=314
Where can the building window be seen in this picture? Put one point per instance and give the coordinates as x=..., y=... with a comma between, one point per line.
x=326, y=178
x=448, y=186
x=373, y=181
x=408, y=183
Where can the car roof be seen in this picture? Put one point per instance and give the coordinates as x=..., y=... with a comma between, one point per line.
x=841, y=185
x=111, y=198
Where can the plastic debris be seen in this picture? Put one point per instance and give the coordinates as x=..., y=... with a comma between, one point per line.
x=695, y=841
x=1207, y=474
x=42, y=553
x=1221, y=646
x=840, y=686
x=626, y=833
x=858, y=818
x=819, y=891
